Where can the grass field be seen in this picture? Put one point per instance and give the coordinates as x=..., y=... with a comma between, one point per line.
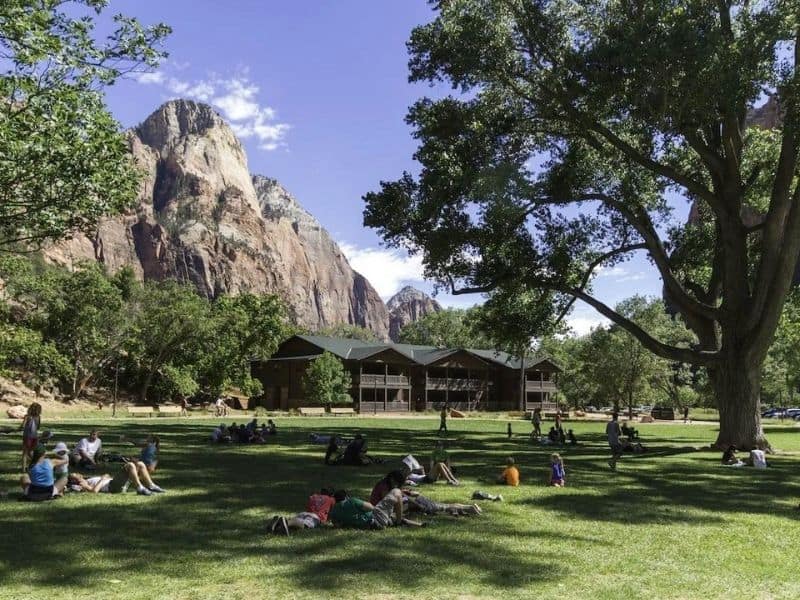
x=669, y=524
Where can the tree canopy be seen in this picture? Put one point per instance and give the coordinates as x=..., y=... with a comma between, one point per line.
x=577, y=129
x=327, y=381
x=64, y=163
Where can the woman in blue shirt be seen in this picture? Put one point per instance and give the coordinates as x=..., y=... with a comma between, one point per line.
x=39, y=482
x=149, y=454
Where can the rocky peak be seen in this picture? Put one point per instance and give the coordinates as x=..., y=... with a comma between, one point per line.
x=177, y=119
x=203, y=219
x=406, y=306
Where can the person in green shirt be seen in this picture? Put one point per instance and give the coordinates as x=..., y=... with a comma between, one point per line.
x=359, y=514
x=440, y=465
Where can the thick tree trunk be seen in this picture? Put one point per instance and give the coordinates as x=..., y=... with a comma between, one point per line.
x=737, y=388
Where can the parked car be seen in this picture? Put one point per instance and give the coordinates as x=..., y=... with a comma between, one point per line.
x=590, y=408
x=664, y=413
x=772, y=413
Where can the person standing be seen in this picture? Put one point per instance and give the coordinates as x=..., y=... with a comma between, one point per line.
x=443, y=419
x=536, y=419
x=30, y=434
x=686, y=414
x=612, y=433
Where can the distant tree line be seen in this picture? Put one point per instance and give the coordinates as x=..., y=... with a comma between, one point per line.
x=70, y=329
x=608, y=366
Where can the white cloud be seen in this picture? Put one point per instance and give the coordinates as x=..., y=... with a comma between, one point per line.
x=236, y=97
x=610, y=271
x=387, y=270
x=583, y=324
x=153, y=77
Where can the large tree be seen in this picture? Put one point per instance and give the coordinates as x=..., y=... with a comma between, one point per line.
x=64, y=162
x=577, y=128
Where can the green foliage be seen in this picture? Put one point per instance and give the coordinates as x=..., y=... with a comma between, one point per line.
x=448, y=328
x=346, y=330
x=23, y=348
x=64, y=163
x=609, y=366
x=327, y=381
x=244, y=327
x=782, y=367
x=623, y=108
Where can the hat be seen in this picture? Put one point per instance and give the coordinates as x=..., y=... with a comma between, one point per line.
x=60, y=447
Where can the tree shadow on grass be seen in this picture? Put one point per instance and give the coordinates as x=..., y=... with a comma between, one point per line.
x=220, y=495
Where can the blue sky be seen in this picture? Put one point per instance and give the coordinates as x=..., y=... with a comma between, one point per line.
x=318, y=92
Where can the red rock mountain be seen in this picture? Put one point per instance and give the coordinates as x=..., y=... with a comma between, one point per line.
x=202, y=218
x=406, y=306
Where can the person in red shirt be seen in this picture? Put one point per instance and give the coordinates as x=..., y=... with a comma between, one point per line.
x=315, y=515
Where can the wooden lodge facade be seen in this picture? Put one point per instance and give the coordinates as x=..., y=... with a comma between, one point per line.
x=404, y=377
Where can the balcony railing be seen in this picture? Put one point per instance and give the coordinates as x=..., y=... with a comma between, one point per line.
x=548, y=386
x=370, y=380
x=443, y=383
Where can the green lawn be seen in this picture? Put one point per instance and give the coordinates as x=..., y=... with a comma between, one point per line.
x=668, y=524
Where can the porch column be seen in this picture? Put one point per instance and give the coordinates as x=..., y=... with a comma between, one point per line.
x=447, y=385
x=360, y=374
x=469, y=387
x=385, y=385
x=426, y=388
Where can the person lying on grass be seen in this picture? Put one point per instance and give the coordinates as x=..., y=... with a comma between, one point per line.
x=510, y=475
x=440, y=465
x=131, y=473
x=150, y=446
x=39, y=483
x=557, y=475
x=416, y=501
x=316, y=514
x=352, y=512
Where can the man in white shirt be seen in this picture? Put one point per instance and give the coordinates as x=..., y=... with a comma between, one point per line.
x=88, y=450
x=613, y=432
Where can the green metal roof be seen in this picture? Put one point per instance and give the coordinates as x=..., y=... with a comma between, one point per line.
x=350, y=349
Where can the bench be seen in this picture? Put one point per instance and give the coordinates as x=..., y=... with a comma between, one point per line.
x=312, y=411
x=343, y=412
x=140, y=410
x=170, y=410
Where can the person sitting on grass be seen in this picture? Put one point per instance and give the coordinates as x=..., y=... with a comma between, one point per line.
x=416, y=501
x=133, y=472
x=440, y=465
x=88, y=451
x=573, y=441
x=220, y=435
x=356, y=452
x=510, y=475
x=629, y=432
x=39, y=483
x=552, y=436
x=150, y=446
x=352, y=512
x=729, y=458
x=316, y=514
x=415, y=471
x=332, y=454
x=271, y=428
x=557, y=475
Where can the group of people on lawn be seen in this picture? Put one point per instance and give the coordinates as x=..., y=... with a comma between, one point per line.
x=250, y=433
x=47, y=475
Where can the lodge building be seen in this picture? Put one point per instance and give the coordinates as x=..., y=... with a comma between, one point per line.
x=404, y=377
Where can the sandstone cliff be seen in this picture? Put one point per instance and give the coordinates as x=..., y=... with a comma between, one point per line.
x=406, y=306
x=202, y=218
